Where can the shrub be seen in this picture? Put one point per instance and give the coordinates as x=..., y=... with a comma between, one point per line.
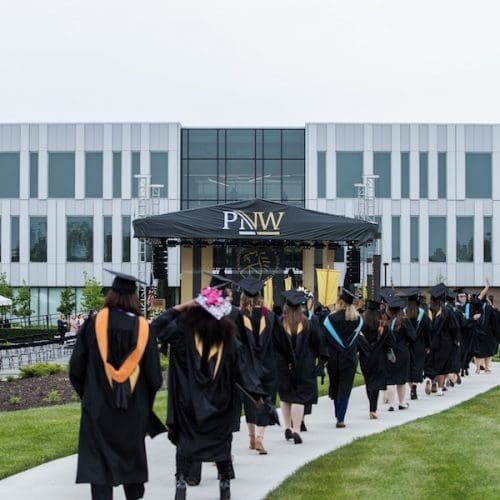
x=15, y=400
x=75, y=397
x=40, y=370
x=163, y=362
x=10, y=378
x=54, y=396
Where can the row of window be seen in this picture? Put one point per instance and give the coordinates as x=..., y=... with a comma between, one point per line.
x=349, y=171
x=79, y=239
x=437, y=239
x=61, y=174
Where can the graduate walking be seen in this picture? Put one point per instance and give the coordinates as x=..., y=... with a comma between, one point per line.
x=115, y=369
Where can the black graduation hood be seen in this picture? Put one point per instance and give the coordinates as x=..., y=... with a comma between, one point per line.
x=255, y=220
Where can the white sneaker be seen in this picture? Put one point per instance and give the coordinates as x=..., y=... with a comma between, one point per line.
x=440, y=392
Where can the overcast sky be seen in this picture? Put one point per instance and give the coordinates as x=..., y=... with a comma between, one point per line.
x=253, y=62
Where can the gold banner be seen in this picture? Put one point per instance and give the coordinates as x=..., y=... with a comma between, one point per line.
x=328, y=283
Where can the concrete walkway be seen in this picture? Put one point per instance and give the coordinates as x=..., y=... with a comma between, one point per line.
x=256, y=475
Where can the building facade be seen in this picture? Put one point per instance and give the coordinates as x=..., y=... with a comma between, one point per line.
x=68, y=193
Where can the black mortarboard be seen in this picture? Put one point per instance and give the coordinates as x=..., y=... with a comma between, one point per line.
x=395, y=302
x=347, y=296
x=438, y=291
x=386, y=294
x=294, y=298
x=412, y=294
x=220, y=280
x=450, y=295
x=124, y=284
x=372, y=305
x=459, y=291
x=251, y=286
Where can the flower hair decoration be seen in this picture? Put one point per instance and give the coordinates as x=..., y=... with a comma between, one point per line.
x=213, y=302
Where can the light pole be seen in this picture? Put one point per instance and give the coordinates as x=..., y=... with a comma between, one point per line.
x=385, y=274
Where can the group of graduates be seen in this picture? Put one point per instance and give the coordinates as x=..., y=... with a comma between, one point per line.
x=224, y=359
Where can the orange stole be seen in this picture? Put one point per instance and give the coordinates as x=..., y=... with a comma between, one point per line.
x=129, y=370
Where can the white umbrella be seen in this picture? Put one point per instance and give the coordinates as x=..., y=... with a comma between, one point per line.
x=4, y=301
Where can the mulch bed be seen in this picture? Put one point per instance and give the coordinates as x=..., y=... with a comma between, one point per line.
x=34, y=391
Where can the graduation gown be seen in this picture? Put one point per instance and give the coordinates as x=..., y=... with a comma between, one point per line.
x=342, y=359
x=443, y=335
x=399, y=372
x=372, y=347
x=484, y=333
x=200, y=409
x=298, y=384
x=111, y=448
x=462, y=314
x=418, y=346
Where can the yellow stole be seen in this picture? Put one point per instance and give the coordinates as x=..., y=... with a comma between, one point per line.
x=129, y=370
x=215, y=350
x=247, y=323
x=289, y=332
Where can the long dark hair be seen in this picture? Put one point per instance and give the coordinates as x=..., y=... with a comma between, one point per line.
x=292, y=317
x=128, y=302
x=371, y=320
x=210, y=330
x=412, y=310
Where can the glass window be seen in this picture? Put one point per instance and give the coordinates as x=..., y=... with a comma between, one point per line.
x=0, y=238
x=108, y=239
x=33, y=175
x=405, y=175
x=437, y=239
x=9, y=173
x=240, y=179
x=159, y=171
x=441, y=175
x=93, y=175
x=117, y=174
x=272, y=180
x=203, y=181
x=414, y=239
x=126, y=238
x=424, y=175
x=396, y=238
x=339, y=254
x=478, y=175
x=202, y=143
x=321, y=174
x=38, y=239
x=488, y=238
x=240, y=143
x=61, y=175
x=14, y=239
x=382, y=168
x=136, y=170
x=293, y=180
x=293, y=144
x=349, y=172
x=465, y=239
x=272, y=143
x=79, y=239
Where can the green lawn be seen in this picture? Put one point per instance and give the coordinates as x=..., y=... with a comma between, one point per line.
x=32, y=437
x=452, y=455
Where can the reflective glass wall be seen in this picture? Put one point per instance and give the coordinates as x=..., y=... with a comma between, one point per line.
x=223, y=165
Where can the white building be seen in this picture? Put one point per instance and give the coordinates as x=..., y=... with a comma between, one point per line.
x=68, y=192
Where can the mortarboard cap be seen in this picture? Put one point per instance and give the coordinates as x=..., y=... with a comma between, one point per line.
x=459, y=291
x=219, y=280
x=412, y=294
x=251, y=286
x=450, y=295
x=386, y=293
x=124, y=284
x=395, y=302
x=438, y=291
x=294, y=298
x=372, y=305
x=347, y=296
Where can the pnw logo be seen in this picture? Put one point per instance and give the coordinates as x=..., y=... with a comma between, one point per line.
x=255, y=223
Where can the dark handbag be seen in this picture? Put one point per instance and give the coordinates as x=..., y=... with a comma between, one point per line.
x=391, y=357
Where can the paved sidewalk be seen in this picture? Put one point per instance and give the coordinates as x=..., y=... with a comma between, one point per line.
x=55, y=480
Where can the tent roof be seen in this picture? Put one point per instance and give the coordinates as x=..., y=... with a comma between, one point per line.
x=4, y=301
x=255, y=220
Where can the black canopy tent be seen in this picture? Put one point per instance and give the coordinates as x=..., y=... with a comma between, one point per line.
x=250, y=223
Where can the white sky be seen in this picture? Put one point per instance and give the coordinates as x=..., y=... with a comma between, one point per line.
x=253, y=62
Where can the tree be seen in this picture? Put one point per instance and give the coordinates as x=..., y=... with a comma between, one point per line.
x=22, y=302
x=92, y=296
x=67, y=301
x=5, y=291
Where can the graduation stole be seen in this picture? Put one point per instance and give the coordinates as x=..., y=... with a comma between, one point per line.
x=421, y=313
x=215, y=350
x=129, y=370
x=331, y=330
x=431, y=316
x=300, y=328
x=247, y=323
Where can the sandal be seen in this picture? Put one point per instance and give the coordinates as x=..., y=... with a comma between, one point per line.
x=373, y=415
x=259, y=446
x=252, y=441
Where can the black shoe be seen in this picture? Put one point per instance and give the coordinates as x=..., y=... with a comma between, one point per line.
x=404, y=407
x=225, y=489
x=288, y=434
x=303, y=427
x=459, y=379
x=467, y=372
x=180, y=488
x=391, y=408
x=413, y=394
x=296, y=438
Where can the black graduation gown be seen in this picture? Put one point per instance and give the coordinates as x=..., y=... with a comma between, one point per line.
x=342, y=362
x=373, y=348
x=443, y=335
x=298, y=385
x=466, y=336
x=201, y=404
x=111, y=442
x=484, y=333
x=399, y=372
x=418, y=347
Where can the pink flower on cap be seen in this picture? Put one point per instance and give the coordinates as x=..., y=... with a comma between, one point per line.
x=213, y=302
